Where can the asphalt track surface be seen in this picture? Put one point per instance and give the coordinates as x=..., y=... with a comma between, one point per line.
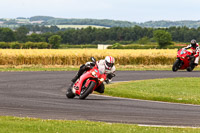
x=42, y=95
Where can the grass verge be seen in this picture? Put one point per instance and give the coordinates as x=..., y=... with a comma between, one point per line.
x=178, y=90
x=76, y=68
x=32, y=125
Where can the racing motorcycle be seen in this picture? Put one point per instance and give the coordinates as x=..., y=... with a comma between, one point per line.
x=183, y=61
x=87, y=82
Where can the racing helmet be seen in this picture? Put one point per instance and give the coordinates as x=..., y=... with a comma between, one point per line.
x=109, y=62
x=193, y=42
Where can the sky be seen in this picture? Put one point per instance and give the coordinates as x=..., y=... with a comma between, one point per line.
x=125, y=10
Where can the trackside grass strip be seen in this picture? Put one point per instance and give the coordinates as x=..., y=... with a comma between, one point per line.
x=31, y=125
x=76, y=68
x=178, y=90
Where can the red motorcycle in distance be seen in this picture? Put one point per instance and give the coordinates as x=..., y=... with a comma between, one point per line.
x=87, y=83
x=183, y=61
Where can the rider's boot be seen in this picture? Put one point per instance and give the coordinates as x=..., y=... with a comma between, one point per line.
x=80, y=72
x=100, y=88
x=75, y=78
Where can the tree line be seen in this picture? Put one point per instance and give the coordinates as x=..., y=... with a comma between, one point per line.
x=124, y=35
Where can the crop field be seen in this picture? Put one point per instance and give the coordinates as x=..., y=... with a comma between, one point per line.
x=80, y=56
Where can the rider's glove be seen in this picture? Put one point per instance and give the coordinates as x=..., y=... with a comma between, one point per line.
x=107, y=81
x=89, y=65
x=111, y=75
x=92, y=64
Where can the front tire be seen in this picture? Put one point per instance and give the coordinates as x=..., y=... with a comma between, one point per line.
x=175, y=66
x=87, y=91
x=69, y=93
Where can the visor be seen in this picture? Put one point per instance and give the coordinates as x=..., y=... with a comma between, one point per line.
x=109, y=64
x=193, y=45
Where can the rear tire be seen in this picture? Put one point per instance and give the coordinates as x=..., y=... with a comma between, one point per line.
x=87, y=91
x=189, y=69
x=69, y=93
x=175, y=66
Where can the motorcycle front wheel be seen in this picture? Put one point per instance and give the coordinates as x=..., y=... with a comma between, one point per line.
x=175, y=66
x=85, y=92
x=69, y=93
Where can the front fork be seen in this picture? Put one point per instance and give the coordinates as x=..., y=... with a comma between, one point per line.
x=77, y=88
x=180, y=63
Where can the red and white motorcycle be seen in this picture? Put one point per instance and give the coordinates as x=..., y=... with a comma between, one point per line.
x=87, y=83
x=183, y=61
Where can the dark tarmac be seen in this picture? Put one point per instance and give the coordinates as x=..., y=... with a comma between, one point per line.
x=42, y=95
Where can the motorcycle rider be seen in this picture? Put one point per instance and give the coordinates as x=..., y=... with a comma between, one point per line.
x=105, y=66
x=194, y=58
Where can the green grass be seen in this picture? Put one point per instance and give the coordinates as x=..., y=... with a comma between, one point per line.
x=31, y=125
x=76, y=68
x=178, y=90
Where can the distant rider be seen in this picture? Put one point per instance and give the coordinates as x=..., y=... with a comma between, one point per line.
x=194, y=58
x=106, y=66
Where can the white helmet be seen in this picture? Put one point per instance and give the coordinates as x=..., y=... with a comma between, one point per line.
x=109, y=62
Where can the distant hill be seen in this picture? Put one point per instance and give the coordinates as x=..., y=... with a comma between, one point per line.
x=48, y=20
x=167, y=24
x=39, y=18
x=99, y=22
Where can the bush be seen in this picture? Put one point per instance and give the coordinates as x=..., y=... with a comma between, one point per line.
x=133, y=46
x=42, y=45
x=15, y=45
x=27, y=45
x=144, y=40
x=64, y=46
x=117, y=46
x=4, y=45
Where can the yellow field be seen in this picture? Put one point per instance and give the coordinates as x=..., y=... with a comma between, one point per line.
x=80, y=56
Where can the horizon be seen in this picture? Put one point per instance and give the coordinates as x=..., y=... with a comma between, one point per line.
x=99, y=19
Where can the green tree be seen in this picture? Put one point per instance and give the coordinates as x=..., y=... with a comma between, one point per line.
x=55, y=41
x=35, y=38
x=144, y=40
x=21, y=33
x=162, y=37
x=7, y=35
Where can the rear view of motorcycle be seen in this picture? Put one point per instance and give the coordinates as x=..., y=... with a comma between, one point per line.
x=183, y=61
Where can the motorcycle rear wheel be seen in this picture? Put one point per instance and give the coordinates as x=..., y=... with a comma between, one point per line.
x=87, y=91
x=189, y=69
